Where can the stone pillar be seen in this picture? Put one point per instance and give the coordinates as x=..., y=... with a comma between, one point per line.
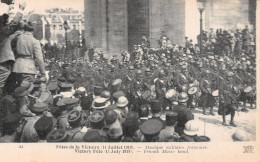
x=94, y=23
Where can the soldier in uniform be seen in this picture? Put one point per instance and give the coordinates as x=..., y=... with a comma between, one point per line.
x=206, y=99
x=28, y=51
x=228, y=100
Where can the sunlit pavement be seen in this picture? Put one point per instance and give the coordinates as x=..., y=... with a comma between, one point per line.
x=212, y=127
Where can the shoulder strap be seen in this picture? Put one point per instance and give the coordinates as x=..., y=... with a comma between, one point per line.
x=14, y=44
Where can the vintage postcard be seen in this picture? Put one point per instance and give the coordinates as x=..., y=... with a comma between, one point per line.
x=128, y=80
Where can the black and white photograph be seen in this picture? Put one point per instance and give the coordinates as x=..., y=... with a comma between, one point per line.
x=128, y=71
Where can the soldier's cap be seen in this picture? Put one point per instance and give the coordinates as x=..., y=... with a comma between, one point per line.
x=243, y=59
x=66, y=85
x=28, y=26
x=147, y=70
x=110, y=116
x=27, y=85
x=39, y=107
x=82, y=89
x=71, y=79
x=115, y=130
x=74, y=116
x=207, y=71
x=70, y=103
x=61, y=79
x=44, y=125
x=94, y=135
x=97, y=116
x=156, y=106
x=118, y=94
x=61, y=102
x=37, y=83
x=98, y=89
x=171, y=118
x=100, y=103
x=229, y=74
x=52, y=86
x=21, y=91
x=152, y=126
x=116, y=82
x=58, y=135
x=191, y=128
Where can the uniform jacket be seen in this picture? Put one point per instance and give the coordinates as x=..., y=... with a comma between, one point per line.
x=226, y=93
x=27, y=46
x=6, y=52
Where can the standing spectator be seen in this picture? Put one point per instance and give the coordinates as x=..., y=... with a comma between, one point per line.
x=28, y=53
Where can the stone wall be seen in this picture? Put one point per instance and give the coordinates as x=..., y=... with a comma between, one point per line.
x=168, y=16
x=226, y=14
x=138, y=21
x=95, y=28
x=117, y=27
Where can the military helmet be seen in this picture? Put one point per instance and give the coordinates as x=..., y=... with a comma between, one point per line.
x=138, y=71
x=161, y=73
x=105, y=94
x=183, y=97
x=229, y=74
x=131, y=67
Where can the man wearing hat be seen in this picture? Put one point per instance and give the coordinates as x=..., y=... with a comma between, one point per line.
x=184, y=114
x=206, y=87
x=151, y=129
x=191, y=133
x=75, y=132
x=58, y=135
x=43, y=127
x=227, y=99
x=113, y=127
x=29, y=133
x=95, y=135
x=22, y=99
x=28, y=53
x=7, y=58
x=169, y=132
x=131, y=128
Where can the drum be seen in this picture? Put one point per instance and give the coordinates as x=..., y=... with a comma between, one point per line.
x=192, y=90
x=215, y=93
x=172, y=95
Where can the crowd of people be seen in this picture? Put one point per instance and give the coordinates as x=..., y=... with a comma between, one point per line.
x=147, y=96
